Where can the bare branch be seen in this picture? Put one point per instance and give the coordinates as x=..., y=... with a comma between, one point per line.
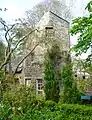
x=3, y=23
x=5, y=29
x=7, y=57
x=8, y=30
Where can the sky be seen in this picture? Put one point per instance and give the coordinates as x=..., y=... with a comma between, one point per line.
x=16, y=8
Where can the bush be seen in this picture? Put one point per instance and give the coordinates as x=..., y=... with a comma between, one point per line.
x=48, y=110
x=5, y=111
x=6, y=82
x=21, y=98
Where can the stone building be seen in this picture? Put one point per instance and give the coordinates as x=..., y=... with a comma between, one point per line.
x=52, y=28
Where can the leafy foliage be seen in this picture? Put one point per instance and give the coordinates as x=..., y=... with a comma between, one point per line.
x=83, y=27
x=20, y=99
x=89, y=6
x=47, y=111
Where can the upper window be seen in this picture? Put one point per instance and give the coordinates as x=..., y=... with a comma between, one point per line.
x=49, y=31
x=49, y=27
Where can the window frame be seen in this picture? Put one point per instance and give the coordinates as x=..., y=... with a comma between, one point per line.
x=37, y=85
x=27, y=79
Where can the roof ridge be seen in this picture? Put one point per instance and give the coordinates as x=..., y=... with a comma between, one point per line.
x=58, y=16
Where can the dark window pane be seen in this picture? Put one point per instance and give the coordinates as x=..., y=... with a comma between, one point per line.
x=83, y=77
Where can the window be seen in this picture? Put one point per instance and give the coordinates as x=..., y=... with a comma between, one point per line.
x=49, y=31
x=48, y=27
x=39, y=86
x=28, y=81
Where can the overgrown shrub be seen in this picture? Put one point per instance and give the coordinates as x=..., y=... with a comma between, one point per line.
x=6, y=83
x=47, y=111
x=20, y=97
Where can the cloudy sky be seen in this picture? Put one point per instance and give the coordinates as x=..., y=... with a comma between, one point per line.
x=16, y=8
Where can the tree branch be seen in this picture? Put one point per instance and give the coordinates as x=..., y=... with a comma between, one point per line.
x=8, y=30
x=7, y=57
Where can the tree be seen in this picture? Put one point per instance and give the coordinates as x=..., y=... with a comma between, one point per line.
x=70, y=93
x=12, y=44
x=83, y=27
x=50, y=79
x=52, y=73
x=7, y=57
